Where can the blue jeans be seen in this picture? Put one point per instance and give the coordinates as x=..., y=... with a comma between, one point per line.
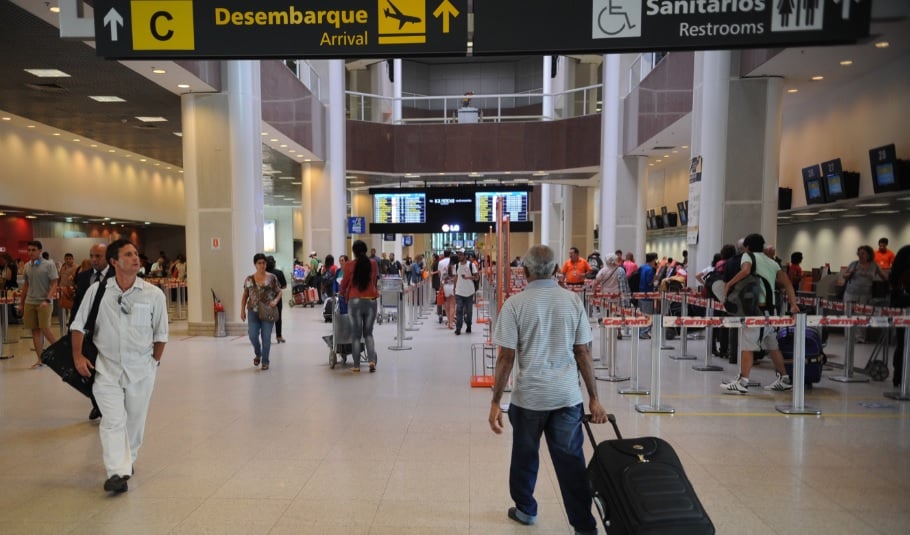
x=464, y=310
x=363, y=316
x=646, y=306
x=562, y=429
x=257, y=328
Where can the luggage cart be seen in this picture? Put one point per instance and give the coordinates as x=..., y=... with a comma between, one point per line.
x=390, y=289
x=339, y=341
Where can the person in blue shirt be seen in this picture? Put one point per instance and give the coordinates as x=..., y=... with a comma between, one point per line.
x=646, y=284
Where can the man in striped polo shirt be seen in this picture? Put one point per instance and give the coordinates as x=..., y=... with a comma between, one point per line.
x=545, y=328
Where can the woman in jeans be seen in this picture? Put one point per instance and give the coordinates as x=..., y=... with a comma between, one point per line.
x=358, y=287
x=260, y=288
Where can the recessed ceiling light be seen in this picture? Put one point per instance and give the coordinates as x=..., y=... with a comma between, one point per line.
x=53, y=73
x=782, y=217
x=274, y=140
x=148, y=222
x=150, y=119
x=265, y=133
x=296, y=183
x=94, y=146
x=31, y=217
x=55, y=134
x=159, y=71
x=872, y=205
x=806, y=214
x=885, y=211
x=793, y=91
x=142, y=160
x=292, y=150
x=684, y=147
x=675, y=152
x=127, y=155
x=828, y=210
x=30, y=126
x=283, y=146
x=76, y=140
x=882, y=44
x=111, y=150
x=650, y=165
x=301, y=156
x=6, y=118
x=54, y=9
x=817, y=78
x=106, y=98
x=658, y=160
x=183, y=86
x=358, y=182
x=846, y=62
x=285, y=178
x=178, y=134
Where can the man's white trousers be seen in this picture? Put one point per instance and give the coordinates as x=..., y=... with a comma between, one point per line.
x=124, y=407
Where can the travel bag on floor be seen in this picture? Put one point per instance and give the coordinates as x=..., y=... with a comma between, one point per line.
x=640, y=488
x=814, y=353
x=327, y=309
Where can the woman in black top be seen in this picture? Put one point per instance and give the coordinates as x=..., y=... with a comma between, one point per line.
x=899, y=279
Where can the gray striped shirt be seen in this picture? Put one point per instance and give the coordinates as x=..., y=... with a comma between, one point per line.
x=542, y=324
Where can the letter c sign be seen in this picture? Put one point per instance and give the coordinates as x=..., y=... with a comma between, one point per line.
x=154, y=26
x=162, y=25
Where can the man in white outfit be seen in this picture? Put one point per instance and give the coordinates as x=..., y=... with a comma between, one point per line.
x=130, y=333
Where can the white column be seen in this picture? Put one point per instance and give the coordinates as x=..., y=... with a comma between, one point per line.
x=396, y=94
x=710, y=102
x=336, y=166
x=610, y=156
x=770, y=179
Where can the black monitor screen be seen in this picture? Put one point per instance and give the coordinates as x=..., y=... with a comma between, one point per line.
x=884, y=174
x=408, y=207
x=813, y=190
x=516, y=205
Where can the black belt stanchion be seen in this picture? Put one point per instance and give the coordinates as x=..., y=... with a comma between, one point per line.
x=709, y=342
x=904, y=393
x=683, y=334
x=657, y=327
x=799, y=372
x=848, y=376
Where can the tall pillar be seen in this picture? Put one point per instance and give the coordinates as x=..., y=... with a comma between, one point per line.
x=336, y=166
x=222, y=155
x=554, y=229
x=610, y=156
x=710, y=102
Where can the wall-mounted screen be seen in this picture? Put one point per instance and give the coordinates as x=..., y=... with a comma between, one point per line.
x=516, y=205
x=410, y=207
x=812, y=182
x=888, y=173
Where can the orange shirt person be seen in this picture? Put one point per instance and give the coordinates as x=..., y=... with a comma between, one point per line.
x=575, y=268
x=884, y=257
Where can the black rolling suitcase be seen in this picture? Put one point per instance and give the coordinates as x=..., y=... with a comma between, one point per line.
x=640, y=488
x=327, y=309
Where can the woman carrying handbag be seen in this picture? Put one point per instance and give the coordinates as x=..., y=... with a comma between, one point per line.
x=261, y=293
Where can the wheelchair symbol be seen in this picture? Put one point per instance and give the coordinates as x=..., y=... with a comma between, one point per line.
x=612, y=11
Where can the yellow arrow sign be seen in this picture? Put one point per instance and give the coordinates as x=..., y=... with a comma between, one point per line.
x=445, y=10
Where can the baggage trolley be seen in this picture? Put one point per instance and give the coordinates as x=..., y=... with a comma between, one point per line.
x=339, y=341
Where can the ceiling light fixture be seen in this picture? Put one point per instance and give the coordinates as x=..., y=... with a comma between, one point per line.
x=106, y=98
x=183, y=86
x=793, y=91
x=151, y=119
x=6, y=118
x=884, y=211
x=872, y=205
x=55, y=134
x=817, y=78
x=158, y=71
x=50, y=73
x=54, y=9
x=274, y=140
x=684, y=147
x=882, y=44
x=846, y=63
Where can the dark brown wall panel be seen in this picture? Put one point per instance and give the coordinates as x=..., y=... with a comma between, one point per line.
x=289, y=106
x=465, y=148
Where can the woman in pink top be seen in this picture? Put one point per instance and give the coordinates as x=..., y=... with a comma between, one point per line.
x=358, y=287
x=629, y=266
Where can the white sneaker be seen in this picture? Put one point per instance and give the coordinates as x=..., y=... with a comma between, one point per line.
x=737, y=386
x=781, y=383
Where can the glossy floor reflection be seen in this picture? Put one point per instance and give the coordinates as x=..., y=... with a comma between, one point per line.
x=301, y=448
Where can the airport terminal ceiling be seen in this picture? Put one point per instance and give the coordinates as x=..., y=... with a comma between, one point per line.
x=64, y=102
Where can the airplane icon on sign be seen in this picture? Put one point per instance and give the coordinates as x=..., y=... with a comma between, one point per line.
x=395, y=13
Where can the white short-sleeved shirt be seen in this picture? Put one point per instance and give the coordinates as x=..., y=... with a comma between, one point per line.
x=543, y=324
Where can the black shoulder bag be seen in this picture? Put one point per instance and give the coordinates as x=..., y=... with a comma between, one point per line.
x=59, y=355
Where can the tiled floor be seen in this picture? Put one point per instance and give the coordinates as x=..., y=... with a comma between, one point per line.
x=305, y=449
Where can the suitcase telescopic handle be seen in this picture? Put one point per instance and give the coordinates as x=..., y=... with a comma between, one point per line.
x=586, y=420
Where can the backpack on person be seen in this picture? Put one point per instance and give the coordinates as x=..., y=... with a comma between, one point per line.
x=634, y=281
x=744, y=298
x=714, y=285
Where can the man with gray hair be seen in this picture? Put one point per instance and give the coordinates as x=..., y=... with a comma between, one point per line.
x=546, y=329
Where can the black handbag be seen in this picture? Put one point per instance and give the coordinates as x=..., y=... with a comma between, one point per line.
x=59, y=355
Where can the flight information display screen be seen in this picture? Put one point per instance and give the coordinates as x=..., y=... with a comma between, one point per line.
x=400, y=207
x=516, y=205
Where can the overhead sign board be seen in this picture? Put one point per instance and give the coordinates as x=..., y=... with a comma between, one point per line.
x=605, y=26
x=172, y=29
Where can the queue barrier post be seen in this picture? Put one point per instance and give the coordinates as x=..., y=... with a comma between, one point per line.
x=4, y=330
x=61, y=317
x=798, y=379
x=611, y=352
x=664, y=311
x=401, y=328
x=602, y=358
x=684, y=334
x=634, y=388
x=408, y=308
x=848, y=376
x=904, y=393
x=656, y=342
x=709, y=343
